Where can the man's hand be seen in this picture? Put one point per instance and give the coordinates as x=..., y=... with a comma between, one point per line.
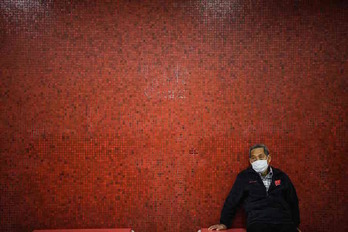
x=298, y=229
x=218, y=227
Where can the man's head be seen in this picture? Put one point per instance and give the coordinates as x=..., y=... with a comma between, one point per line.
x=259, y=152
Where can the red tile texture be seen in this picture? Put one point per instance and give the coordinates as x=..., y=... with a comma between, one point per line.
x=140, y=114
x=86, y=230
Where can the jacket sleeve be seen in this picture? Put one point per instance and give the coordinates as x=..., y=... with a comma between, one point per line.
x=232, y=202
x=293, y=202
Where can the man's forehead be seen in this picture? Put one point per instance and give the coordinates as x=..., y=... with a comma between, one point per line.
x=257, y=151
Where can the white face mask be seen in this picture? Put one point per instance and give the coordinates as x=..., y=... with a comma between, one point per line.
x=259, y=166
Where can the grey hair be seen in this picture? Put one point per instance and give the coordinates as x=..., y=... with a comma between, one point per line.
x=265, y=148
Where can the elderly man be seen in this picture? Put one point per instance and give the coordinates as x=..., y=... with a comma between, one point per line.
x=267, y=194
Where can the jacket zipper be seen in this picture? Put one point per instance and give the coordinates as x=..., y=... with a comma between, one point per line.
x=263, y=185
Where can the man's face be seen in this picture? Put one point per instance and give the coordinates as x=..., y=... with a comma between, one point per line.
x=259, y=154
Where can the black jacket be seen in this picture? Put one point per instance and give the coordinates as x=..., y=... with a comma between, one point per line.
x=278, y=205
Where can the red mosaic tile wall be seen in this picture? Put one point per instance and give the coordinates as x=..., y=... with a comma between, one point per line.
x=141, y=113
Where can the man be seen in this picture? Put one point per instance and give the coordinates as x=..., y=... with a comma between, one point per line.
x=267, y=194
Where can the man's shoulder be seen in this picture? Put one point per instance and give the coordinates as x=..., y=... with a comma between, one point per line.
x=246, y=172
x=278, y=173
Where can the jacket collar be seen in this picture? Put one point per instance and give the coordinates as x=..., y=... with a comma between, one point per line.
x=251, y=170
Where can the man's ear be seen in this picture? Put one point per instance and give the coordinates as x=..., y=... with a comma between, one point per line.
x=269, y=158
